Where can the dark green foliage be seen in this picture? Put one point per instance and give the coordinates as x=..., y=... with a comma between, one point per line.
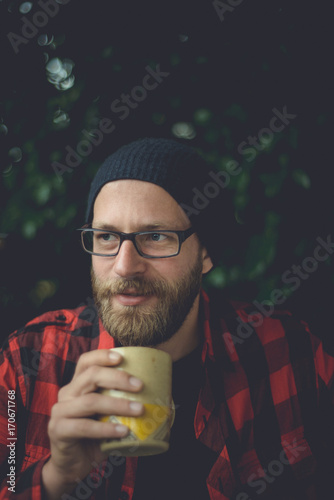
x=227, y=81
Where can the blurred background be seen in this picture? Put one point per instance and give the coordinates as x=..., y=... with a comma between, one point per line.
x=229, y=68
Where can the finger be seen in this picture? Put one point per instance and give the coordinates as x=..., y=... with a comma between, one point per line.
x=69, y=429
x=100, y=377
x=99, y=357
x=94, y=403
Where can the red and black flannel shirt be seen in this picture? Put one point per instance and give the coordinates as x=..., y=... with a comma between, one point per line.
x=264, y=408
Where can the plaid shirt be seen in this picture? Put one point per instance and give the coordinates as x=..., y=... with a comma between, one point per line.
x=264, y=408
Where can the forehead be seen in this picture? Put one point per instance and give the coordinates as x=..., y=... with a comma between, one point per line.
x=139, y=202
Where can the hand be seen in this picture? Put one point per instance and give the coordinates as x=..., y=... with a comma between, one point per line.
x=74, y=434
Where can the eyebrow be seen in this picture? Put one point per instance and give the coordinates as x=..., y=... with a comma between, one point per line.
x=142, y=227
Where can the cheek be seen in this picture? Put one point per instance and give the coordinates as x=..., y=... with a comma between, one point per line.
x=176, y=267
x=101, y=266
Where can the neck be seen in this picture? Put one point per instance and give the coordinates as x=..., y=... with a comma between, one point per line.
x=187, y=338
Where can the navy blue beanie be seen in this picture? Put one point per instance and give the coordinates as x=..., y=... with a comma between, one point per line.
x=180, y=170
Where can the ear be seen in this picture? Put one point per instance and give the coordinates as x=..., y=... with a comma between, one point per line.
x=207, y=262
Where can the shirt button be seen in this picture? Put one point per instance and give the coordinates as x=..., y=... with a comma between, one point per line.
x=124, y=495
x=61, y=317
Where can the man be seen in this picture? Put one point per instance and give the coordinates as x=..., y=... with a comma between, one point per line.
x=253, y=411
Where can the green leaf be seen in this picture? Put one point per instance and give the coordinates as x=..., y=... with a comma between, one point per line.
x=301, y=178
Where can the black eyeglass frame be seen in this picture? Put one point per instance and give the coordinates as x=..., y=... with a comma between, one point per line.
x=182, y=235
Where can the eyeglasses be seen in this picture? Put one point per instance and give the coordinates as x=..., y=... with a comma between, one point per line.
x=149, y=244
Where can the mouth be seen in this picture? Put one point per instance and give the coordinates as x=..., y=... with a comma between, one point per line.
x=132, y=298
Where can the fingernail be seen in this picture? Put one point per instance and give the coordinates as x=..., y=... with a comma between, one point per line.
x=114, y=356
x=121, y=429
x=135, y=381
x=136, y=407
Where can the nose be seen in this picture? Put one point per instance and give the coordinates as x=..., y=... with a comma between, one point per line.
x=128, y=263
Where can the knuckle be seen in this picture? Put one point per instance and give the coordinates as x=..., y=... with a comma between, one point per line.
x=92, y=372
x=82, y=427
x=83, y=361
x=83, y=357
x=89, y=400
x=62, y=393
x=54, y=411
x=53, y=428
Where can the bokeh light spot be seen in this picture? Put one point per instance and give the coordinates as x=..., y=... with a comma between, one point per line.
x=15, y=154
x=3, y=130
x=25, y=7
x=44, y=40
x=183, y=130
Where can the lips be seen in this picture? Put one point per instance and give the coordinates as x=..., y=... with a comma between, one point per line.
x=132, y=298
x=132, y=293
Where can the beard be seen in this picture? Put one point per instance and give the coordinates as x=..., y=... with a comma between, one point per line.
x=141, y=325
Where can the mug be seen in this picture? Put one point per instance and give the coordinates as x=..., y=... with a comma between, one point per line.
x=149, y=433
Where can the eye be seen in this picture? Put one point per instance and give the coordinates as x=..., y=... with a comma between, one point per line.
x=158, y=237
x=106, y=237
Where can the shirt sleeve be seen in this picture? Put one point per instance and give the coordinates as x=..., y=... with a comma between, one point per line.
x=13, y=482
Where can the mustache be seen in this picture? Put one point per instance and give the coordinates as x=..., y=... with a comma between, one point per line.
x=108, y=288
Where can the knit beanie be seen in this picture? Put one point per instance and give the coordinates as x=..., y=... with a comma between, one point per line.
x=181, y=171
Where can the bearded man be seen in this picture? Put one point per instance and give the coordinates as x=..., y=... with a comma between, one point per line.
x=253, y=412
